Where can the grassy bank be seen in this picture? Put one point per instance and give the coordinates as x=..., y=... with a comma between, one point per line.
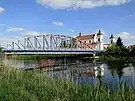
x=105, y=58
x=43, y=56
x=38, y=57
x=17, y=85
x=27, y=57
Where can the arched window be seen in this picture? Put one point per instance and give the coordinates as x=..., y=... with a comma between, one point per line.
x=89, y=41
x=99, y=40
x=111, y=41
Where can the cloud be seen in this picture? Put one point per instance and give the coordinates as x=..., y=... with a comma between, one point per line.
x=14, y=29
x=11, y=29
x=79, y=4
x=25, y=32
x=32, y=33
x=4, y=25
x=58, y=23
x=8, y=38
x=129, y=15
x=71, y=30
x=4, y=40
x=1, y=10
x=126, y=37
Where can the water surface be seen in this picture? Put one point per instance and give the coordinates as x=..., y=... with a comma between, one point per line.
x=81, y=71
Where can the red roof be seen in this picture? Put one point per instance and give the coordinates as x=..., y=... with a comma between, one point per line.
x=86, y=46
x=85, y=37
x=91, y=43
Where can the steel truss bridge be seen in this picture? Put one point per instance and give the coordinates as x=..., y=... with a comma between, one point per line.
x=49, y=44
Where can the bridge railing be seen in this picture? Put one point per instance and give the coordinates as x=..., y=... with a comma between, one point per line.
x=48, y=42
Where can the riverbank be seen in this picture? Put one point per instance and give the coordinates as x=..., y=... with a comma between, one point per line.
x=38, y=57
x=106, y=58
x=116, y=62
x=17, y=85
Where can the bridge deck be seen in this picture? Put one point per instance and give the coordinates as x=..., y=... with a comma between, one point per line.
x=52, y=51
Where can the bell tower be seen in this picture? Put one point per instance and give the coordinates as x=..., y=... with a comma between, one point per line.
x=112, y=39
x=100, y=40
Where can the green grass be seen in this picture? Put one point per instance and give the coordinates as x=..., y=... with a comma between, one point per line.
x=17, y=85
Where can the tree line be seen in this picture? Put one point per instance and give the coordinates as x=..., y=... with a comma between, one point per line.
x=119, y=50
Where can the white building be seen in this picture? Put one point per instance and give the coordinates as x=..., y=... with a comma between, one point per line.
x=95, y=41
x=112, y=39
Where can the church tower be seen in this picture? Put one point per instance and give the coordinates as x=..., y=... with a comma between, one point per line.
x=100, y=40
x=112, y=40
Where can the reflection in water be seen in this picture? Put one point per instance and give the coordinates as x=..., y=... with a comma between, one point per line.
x=81, y=71
x=120, y=73
x=46, y=63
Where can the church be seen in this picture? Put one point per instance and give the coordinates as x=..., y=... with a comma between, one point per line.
x=95, y=41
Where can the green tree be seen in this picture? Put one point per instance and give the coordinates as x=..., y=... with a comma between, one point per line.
x=0, y=49
x=132, y=52
x=112, y=50
x=119, y=42
x=124, y=51
x=1, y=53
x=119, y=50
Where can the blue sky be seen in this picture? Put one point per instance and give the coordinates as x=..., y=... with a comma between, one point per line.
x=29, y=17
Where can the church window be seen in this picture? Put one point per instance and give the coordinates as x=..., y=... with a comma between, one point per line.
x=111, y=41
x=99, y=39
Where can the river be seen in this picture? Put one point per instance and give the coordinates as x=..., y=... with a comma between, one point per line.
x=80, y=71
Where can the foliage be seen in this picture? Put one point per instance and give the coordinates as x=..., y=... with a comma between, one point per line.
x=124, y=51
x=17, y=85
x=132, y=52
x=69, y=44
x=1, y=53
x=0, y=49
x=118, y=49
x=119, y=42
x=112, y=50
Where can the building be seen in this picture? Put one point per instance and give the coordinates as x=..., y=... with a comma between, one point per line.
x=131, y=46
x=111, y=41
x=106, y=45
x=95, y=41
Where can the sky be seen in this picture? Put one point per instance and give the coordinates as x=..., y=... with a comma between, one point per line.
x=21, y=18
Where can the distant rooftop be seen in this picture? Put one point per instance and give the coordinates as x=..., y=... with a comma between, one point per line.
x=85, y=37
